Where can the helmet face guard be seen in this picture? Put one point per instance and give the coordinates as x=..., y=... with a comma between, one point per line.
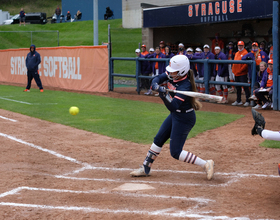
x=179, y=64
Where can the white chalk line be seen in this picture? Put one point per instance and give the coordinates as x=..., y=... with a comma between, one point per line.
x=172, y=212
x=234, y=175
x=105, y=191
x=9, y=119
x=47, y=103
x=164, y=212
x=12, y=100
x=138, y=180
x=27, y=103
x=42, y=149
x=88, y=166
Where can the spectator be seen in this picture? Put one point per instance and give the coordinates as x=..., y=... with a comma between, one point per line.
x=21, y=17
x=221, y=71
x=144, y=51
x=68, y=16
x=263, y=47
x=78, y=15
x=263, y=67
x=189, y=51
x=210, y=55
x=151, y=52
x=181, y=49
x=108, y=13
x=168, y=52
x=189, y=54
x=257, y=55
x=240, y=72
x=138, y=52
x=266, y=87
x=32, y=62
x=230, y=56
x=199, y=68
x=217, y=42
x=145, y=69
x=162, y=46
x=158, y=67
x=58, y=13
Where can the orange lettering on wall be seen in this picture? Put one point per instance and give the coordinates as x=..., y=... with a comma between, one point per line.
x=190, y=10
x=239, y=5
x=224, y=7
x=210, y=9
x=196, y=9
x=231, y=6
x=217, y=8
x=203, y=9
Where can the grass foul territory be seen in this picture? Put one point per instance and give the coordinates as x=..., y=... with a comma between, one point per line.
x=134, y=121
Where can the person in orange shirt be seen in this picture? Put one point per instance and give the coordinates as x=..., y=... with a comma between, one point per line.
x=144, y=50
x=257, y=55
x=266, y=87
x=162, y=47
x=217, y=42
x=240, y=72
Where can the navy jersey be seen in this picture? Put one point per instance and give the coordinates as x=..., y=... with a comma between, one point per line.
x=175, y=101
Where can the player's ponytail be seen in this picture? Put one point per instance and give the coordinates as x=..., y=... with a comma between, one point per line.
x=195, y=104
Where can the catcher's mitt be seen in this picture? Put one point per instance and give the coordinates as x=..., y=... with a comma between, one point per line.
x=259, y=121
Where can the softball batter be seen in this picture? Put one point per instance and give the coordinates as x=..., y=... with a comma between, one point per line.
x=181, y=119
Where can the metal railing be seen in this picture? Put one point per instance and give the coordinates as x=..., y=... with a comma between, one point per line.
x=206, y=81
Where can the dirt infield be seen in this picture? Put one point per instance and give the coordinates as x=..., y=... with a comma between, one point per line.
x=51, y=171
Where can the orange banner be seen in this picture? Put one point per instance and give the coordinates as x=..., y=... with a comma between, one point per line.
x=83, y=68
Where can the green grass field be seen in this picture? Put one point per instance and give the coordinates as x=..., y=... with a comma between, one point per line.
x=134, y=121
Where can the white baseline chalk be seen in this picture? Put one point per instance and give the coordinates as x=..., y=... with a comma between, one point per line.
x=12, y=100
x=8, y=119
x=42, y=149
x=104, y=191
x=164, y=212
x=241, y=175
x=137, y=180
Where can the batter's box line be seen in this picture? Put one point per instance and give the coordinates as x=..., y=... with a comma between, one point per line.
x=165, y=212
x=233, y=175
x=169, y=212
x=88, y=166
x=105, y=191
x=138, y=180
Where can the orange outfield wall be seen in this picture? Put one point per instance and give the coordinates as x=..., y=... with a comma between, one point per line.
x=83, y=68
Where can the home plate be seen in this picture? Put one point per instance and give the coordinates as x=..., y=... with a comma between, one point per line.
x=133, y=186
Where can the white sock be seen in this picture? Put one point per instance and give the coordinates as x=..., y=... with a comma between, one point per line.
x=189, y=157
x=155, y=148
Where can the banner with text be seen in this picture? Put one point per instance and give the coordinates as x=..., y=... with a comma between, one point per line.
x=83, y=68
x=207, y=12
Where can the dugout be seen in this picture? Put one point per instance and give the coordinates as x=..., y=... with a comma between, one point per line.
x=196, y=24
